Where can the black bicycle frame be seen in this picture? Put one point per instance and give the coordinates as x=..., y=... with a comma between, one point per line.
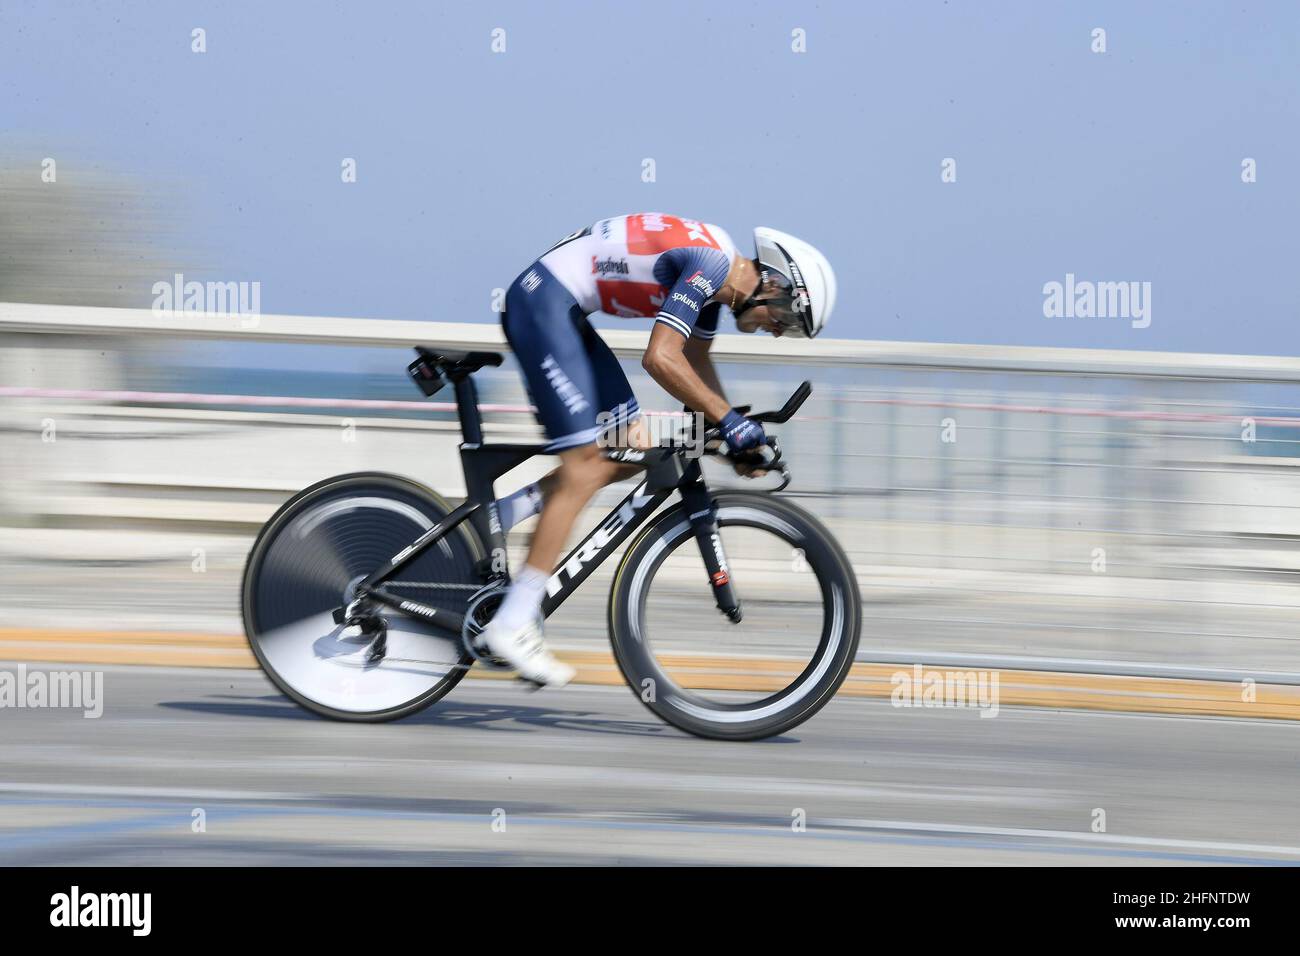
x=666, y=470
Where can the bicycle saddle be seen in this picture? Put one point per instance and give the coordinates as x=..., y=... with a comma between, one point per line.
x=464, y=362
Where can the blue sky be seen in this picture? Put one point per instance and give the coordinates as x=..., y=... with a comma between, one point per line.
x=1122, y=166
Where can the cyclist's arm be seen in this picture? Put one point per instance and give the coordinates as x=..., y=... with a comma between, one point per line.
x=677, y=356
x=667, y=362
x=697, y=353
x=698, y=345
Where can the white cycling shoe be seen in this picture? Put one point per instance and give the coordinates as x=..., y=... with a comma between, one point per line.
x=525, y=650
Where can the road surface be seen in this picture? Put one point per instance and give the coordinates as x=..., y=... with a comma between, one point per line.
x=497, y=775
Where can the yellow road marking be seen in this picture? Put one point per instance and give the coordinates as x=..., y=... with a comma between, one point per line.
x=754, y=674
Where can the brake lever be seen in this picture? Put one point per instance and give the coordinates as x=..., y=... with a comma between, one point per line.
x=770, y=451
x=777, y=467
x=769, y=456
x=785, y=479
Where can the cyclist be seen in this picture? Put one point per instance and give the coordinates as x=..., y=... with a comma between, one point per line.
x=679, y=271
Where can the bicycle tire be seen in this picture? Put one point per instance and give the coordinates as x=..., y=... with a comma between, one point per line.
x=423, y=507
x=777, y=713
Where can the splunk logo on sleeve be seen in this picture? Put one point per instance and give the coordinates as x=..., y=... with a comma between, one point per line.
x=75, y=909
x=685, y=300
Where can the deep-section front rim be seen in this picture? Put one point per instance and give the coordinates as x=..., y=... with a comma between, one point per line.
x=783, y=709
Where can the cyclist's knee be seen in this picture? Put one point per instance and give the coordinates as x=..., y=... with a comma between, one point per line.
x=585, y=470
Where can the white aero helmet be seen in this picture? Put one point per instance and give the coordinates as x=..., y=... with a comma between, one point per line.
x=804, y=272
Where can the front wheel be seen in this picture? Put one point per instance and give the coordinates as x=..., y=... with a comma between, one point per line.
x=736, y=681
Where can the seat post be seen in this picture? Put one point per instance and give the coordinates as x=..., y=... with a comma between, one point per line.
x=471, y=421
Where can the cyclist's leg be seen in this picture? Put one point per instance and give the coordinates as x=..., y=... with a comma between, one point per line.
x=545, y=329
x=541, y=324
x=581, y=393
x=620, y=411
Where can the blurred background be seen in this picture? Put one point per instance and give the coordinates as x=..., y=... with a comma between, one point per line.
x=1124, y=512
x=1016, y=491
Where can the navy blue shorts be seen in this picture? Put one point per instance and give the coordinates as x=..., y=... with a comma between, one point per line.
x=573, y=378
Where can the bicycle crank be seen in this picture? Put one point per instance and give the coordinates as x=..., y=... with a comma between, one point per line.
x=482, y=606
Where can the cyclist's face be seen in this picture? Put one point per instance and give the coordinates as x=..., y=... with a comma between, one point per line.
x=758, y=319
x=767, y=318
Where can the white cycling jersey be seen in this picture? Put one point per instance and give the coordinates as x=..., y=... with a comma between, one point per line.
x=642, y=265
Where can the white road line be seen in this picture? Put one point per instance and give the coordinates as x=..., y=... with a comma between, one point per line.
x=611, y=779
x=897, y=826
x=1066, y=835
x=109, y=790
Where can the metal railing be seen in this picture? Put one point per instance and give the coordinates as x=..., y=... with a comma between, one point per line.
x=1125, y=512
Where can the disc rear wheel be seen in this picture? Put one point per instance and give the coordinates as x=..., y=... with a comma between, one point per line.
x=308, y=561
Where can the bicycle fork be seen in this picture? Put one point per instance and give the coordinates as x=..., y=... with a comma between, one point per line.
x=704, y=522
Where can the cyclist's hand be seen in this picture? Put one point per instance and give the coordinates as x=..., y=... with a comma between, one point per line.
x=741, y=433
